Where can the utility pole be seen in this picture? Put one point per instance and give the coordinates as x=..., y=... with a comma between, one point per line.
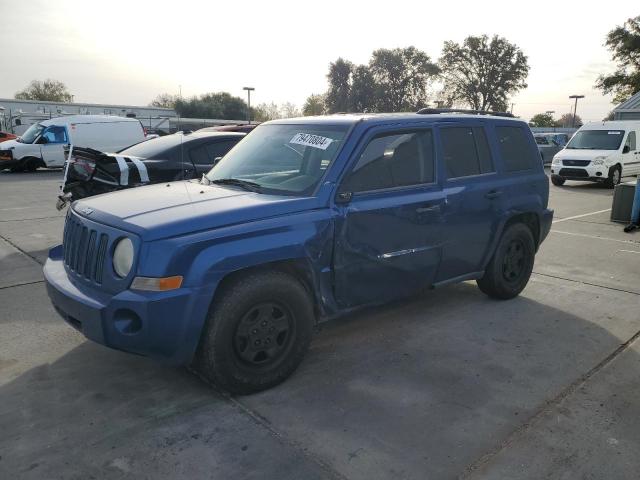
x=512, y=108
x=249, y=90
x=575, y=109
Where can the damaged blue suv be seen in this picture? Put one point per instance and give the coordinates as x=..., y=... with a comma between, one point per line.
x=302, y=220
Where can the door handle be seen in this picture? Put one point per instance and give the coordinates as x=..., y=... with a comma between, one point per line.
x=493, y=194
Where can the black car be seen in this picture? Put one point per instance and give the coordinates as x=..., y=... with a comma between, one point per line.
x=172, y=157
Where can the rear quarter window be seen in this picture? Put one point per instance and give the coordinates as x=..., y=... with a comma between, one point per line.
x=466, y=151
x=515, y=149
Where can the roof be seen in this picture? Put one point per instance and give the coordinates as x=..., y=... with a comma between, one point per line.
x=610, y=125
x=383, y=118
x=80, y=104
x=87, y=119
x=632, y=103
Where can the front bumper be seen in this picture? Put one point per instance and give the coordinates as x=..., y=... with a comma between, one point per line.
x=5, y=164
x=163, y=325
x=598, y=173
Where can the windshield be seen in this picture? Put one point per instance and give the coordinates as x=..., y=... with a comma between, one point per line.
x=288, y=159
x=597, y=140
x=32, y=133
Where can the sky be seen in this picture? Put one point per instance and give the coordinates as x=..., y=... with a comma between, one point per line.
x=127, y=52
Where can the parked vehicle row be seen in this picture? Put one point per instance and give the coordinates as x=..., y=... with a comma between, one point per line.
x=173, y=157
x=301, y=221
x=549, y=144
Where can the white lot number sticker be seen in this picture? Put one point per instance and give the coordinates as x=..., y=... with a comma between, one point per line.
x=613, y=133
x=309, y=140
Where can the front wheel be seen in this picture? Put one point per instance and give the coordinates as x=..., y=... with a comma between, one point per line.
x=257, y=333
x=557, y=181
x=510, y=267
x=615, y=176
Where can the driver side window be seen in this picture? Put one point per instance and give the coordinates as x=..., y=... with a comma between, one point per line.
x=394, y=160
x=55, y=135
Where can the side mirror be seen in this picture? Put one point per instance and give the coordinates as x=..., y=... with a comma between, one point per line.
x=626, y=149
x=42, y=140
x=216, y=160
x=343, y=197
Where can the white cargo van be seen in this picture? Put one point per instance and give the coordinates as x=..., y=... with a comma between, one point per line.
x=42, y=145
x=599, y=152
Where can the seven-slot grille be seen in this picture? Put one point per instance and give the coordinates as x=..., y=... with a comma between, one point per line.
x=84, y=250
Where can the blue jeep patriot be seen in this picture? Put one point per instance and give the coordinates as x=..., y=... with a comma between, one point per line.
x=302, y=220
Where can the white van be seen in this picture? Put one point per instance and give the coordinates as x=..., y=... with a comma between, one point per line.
x=599, y=152
x=42, y=145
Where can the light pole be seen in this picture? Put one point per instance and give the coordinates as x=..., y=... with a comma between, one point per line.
x=575, y=109
x=249, y=90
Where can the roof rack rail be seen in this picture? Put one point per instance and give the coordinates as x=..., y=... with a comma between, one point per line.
x=427, y=111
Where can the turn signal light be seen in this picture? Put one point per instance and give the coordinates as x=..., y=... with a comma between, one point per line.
x=152, y=284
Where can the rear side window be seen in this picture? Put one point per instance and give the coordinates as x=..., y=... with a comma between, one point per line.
x=515, y=149
x=394, y=160
x=466, y=151
x=631, y=141
x=219, y=149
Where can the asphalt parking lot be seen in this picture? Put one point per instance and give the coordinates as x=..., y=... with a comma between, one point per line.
x=447, y=385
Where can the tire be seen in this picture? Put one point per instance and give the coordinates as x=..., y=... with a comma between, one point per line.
x=557, y=181
x=615, y=176
x=31, y=164
x=511, y=265
x=250, y=313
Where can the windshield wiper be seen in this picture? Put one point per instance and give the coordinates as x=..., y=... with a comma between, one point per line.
x=247, y=185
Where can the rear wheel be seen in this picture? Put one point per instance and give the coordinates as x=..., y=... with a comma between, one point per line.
x=510, y=267
x=257, y=333
x=557, y=181
x=615, y=176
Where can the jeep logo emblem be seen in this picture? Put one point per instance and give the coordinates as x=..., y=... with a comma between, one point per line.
x=86, y=211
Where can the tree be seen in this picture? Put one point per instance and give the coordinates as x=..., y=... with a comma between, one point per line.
x=483, y=72
x=212, y=105
x=289, y=110
x=364, y=90
x=313, y=105
x=46, y=90
x=266, y=111
x=624, y=43
x=337, y=99
x=566, y=120
x=401, y=76
x=165, y=100
x=543, y=120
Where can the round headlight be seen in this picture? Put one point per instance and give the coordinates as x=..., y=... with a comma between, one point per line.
x=123, y=257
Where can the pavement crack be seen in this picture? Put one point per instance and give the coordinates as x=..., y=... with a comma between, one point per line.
x=263, y=422
x=28, y=219
x=587, y=283
x=24, y=252
x=546, y=408
x=21, y=284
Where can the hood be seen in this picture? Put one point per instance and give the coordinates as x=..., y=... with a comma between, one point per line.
x=578, y=154
x=178, y=208
x=8, y=144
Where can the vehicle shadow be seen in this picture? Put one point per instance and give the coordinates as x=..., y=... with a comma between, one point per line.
x=418, y=389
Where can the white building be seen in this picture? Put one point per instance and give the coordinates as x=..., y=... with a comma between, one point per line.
x=17, y=115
